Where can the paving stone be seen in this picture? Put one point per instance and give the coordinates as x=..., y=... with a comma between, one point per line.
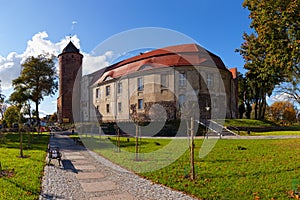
x=75, y=157
x=124, y=196
x=85, y=167
x=72, y=153
x=98, y=186
x=83, y=176
x=89, y=175
x=81, y=162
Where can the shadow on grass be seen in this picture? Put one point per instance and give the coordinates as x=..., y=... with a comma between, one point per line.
x=110, y=143
x=12, y=141
x=22, y=186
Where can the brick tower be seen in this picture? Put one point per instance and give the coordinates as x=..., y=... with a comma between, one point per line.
x=70, y=61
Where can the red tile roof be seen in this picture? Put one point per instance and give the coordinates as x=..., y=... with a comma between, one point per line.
x=179, y=55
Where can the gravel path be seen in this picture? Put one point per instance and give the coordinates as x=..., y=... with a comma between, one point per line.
x=86, y=175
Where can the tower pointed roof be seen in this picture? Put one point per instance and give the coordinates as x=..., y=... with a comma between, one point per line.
x=70, y=48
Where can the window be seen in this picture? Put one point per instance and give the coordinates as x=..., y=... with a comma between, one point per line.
x=119, y=88
x=209, y=80
x=107, y=108
x=182, y=79
x=164, y=80
x=107, y=89
x=140, y=84
x=119, y=106
x=97, y=93
x=140, y=104
x=181, y=99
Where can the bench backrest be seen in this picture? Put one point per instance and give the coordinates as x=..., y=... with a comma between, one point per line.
x=54, y=153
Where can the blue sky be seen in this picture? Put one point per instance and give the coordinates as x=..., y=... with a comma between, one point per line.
x=32, y=26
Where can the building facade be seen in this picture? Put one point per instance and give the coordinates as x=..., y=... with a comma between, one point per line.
x=70, y=72
x=157, y=85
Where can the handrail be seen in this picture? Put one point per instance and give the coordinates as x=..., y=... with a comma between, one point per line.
x=207, y=127
x=223, y=127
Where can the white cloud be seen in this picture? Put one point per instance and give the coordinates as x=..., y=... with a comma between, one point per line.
x=91, y=63
x=9, y=69
x=10, y=66
x=281, y=97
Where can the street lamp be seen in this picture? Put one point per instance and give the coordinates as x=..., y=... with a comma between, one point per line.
x=207, y=108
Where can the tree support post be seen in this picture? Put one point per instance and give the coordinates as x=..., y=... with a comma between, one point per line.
x=192, y=145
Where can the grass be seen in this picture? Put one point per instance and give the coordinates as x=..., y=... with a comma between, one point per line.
x=277, y=133
x=27, y=172
x=261, y=169
x=239, y=169
x=248, y=123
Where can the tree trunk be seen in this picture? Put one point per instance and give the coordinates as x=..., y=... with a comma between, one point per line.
x=37, y=116
x=21, y=137
x=30, y=128
x=192, y=150
x=118, y=140
x=260, y=103
x=21, y=143
x=255, y=108
x=264, y=104
x=260, y=109
x=136, y=142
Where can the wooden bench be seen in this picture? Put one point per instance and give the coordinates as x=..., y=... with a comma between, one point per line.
x=54, y=153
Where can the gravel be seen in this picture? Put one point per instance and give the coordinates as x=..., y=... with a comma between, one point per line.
x=60, y=182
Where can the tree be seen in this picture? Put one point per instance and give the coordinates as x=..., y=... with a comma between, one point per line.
x=38, y=79
x=245, y=95
x=260, y=81
x=283, y=110
x=242, y=110
x=53, y=117
x=276, y=23
x=271, y=52
x=2, y=102
x=11, y=115
x=188, y=114
x=19, y=98
x=291, y=88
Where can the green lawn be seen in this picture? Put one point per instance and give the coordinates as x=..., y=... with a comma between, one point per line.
x=296, y=132
x=234, y=169
x=27, y=172
x=248, y=122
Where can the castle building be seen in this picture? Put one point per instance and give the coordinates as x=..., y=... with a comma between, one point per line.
x=170, y=77
x=70, y=62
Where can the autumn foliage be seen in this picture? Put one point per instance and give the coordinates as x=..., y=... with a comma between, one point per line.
x=283, y=110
